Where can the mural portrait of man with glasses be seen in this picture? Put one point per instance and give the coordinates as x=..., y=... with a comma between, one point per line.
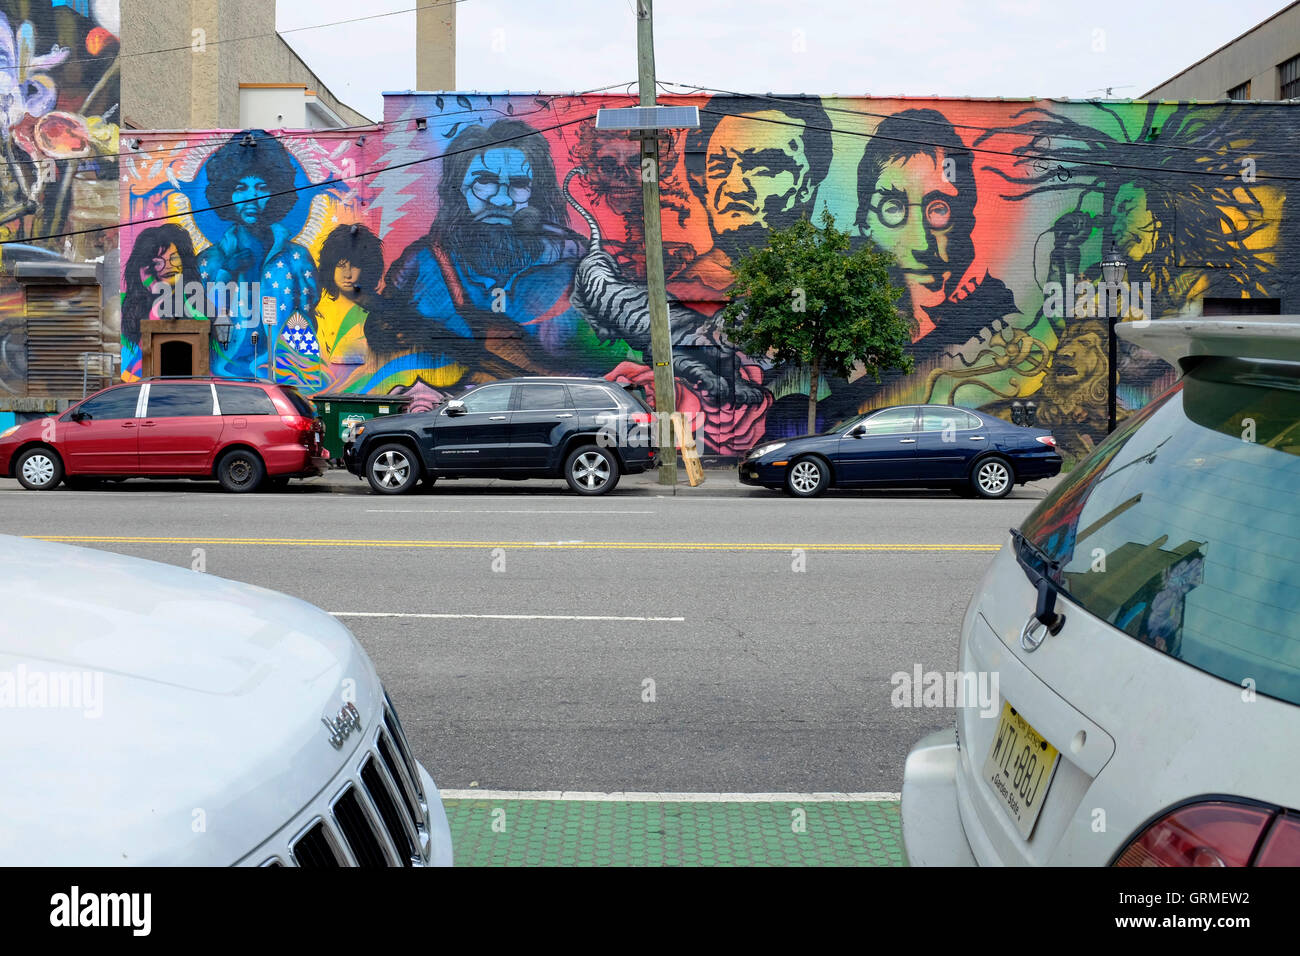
x=916, y=200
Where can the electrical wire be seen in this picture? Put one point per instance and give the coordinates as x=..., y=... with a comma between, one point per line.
x=1045, y=157
x=29, y=240
x=967, y=126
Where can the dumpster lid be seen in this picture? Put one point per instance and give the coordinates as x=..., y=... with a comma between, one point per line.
x=357, y=397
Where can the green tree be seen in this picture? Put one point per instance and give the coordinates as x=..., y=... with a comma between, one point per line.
x=809, y=298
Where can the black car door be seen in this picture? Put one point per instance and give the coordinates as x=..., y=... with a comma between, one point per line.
x=476, y=435
x=543, y=416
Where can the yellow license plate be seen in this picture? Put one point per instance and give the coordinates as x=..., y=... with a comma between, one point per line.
x=1019, y=768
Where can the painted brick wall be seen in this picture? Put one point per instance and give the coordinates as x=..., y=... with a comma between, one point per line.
x=504, y=239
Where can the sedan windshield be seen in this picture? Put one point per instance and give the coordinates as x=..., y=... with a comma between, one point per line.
x=1183, y=528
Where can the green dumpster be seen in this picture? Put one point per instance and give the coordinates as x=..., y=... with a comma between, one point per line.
x=341, y=410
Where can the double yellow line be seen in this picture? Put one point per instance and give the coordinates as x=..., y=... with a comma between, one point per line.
x=519, y=545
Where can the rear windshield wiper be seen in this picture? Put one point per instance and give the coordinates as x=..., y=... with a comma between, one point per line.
x=1047, y=581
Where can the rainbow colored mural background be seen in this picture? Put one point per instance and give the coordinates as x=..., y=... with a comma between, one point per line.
x=504, y=238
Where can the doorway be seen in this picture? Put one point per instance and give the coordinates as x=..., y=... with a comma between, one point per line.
x=176, y=357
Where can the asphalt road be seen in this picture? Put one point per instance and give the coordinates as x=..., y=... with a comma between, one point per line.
x=769, y=627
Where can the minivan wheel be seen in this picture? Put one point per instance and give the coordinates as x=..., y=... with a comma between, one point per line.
x=992, y=477
x=591, y=470
x=240, y=470
x=807, y=477
x=392, y=469
x=39, y=469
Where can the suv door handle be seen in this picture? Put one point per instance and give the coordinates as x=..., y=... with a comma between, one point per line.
x=976, y=437
x=148, y=425
x=497, y=418
x=565, y=415
x=907, y=441
x=128, y=424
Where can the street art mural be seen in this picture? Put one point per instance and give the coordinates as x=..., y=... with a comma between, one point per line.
x=59, y=88
x=471, y=238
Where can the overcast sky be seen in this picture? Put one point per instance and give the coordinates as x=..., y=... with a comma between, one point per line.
x=1011, y=48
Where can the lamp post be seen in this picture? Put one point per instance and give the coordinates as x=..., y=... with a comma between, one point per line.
x=1113, y=271
x=221, y=327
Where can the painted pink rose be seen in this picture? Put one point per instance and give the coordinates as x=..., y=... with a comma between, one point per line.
x=725, y=429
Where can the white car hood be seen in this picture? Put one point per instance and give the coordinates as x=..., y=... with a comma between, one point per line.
x=205, y=736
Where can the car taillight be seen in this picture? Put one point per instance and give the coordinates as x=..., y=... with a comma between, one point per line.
x=1216, y=833
x=640, y=418
x=305, y=427
x=1046, y=440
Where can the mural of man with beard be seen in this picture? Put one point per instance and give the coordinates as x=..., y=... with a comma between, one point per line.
x=756, y=164
x=487, y=286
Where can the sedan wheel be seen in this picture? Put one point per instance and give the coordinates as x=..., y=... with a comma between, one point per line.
x=993, y=478
x=392, y=470
x=807, y=478
x=39, y=469
x=591, y=470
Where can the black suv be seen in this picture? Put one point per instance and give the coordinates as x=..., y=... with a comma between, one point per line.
x=586, y=430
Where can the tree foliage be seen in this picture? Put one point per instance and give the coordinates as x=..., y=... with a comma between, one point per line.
x=809, y=298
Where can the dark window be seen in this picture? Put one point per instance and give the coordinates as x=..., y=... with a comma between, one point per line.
x=179, y=401
x=592, y=396
x=488, y=398
x=300, y=404
x=1225, y=306
x=895, y=421
x=542, y=397
x=1289, y=75
x=115, y=403
x=1193, y=507
x=1240, y=92
x=244, y=400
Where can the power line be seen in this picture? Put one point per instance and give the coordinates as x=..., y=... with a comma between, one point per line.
x=290, y=134
x=967, y=126
x=262, y=36
x=296, y=189
x=1046, y=157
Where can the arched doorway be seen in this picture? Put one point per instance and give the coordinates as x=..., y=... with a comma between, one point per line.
x=176, y=357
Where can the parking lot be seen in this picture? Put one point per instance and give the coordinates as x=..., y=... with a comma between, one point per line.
x=723, y=640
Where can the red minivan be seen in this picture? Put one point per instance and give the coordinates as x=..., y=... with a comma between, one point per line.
x=241, y=432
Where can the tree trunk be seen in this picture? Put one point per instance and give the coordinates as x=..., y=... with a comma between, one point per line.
x=814, y=380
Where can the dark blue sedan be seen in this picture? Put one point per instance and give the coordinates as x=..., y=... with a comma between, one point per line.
x=920, y=446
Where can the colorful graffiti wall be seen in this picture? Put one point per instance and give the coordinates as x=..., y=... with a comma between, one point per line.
x=504, y=238
x=59, y=89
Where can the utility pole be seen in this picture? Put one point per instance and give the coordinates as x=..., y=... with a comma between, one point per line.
x=661, y=343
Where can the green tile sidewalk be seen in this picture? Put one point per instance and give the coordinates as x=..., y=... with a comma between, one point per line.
x=644, y=833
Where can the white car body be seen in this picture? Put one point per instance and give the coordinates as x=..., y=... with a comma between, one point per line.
x=158, y=716
x=1140, y=732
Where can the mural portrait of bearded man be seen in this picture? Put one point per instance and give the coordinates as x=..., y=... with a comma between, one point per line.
x=493, y=271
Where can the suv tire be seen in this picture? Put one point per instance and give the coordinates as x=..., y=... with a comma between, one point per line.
x=240, y=470
x=591, y=470
x=39, y=469
x=392, y=469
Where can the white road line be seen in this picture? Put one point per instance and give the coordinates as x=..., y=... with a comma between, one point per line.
x=875, y=796
x=484, y=511
x=508, y=617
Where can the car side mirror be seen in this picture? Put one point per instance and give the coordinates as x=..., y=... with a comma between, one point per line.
x=81, y=416
x=859, y=431
x=456, y=407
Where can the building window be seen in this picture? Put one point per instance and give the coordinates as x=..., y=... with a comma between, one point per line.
x=1240, y=92
x=1290, y=78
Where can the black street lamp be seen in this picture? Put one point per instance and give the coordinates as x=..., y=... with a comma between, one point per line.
x=1113, y=271
x=221, y=327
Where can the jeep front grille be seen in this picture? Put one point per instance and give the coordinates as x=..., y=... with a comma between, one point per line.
x=379, y=817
